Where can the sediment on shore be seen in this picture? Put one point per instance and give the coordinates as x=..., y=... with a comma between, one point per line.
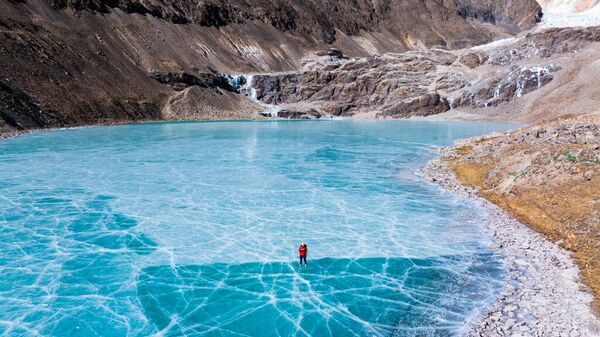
x=542, y=295
x=541, y=186
x=548, y=177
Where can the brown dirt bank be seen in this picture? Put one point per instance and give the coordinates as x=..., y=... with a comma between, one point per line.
x=548, y=177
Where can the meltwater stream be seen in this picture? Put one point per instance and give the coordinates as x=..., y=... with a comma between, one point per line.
x=191, y=229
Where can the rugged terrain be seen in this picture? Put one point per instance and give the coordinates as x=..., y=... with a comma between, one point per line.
x=71, y=63
x=120, y=61
x=542, y=294
x=475, y=80
x=548, y=177
x=68, y=62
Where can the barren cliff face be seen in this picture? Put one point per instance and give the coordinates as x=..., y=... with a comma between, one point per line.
x=72, y=62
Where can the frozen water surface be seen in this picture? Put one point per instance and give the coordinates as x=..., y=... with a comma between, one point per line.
x=191, y=229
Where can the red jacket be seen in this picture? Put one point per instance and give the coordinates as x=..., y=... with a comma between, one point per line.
x=303, y=250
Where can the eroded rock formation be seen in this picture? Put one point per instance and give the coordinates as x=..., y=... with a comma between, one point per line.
x=501, y=89
x=322, y=18
x=122, y=60
x=421, y=83
x=507, y=12
x=85, y=62
x=394, y=84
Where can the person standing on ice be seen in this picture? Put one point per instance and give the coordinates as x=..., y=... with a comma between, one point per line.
x=303, y=251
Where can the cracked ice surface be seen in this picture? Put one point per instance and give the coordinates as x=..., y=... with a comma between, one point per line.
x=191, y=229
x=334, y=297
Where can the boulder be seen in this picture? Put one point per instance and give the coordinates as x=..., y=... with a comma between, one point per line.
x=472, y=60
x=428, y=104
x=296, y=114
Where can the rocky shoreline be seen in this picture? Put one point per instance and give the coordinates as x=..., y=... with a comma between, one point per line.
x=543, y=295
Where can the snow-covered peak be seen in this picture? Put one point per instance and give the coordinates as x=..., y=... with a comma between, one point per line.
x=570, y=13
x=567, y=6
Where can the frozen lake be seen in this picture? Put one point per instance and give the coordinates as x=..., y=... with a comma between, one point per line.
x=192, y=229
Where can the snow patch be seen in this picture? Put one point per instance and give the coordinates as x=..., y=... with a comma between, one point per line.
x=570, y=13
x=496, y=44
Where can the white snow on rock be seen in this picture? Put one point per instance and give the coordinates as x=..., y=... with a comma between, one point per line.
x=496, y=44
x=570, y=13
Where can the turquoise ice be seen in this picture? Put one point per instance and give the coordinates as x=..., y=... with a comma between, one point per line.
x=191, y=229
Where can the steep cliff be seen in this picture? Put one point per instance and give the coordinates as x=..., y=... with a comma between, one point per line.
x=322, y=19
x=510, y=13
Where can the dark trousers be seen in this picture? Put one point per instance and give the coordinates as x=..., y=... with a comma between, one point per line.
x=303, y=258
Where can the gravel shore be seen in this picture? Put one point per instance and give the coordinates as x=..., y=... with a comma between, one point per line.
x=543, y=295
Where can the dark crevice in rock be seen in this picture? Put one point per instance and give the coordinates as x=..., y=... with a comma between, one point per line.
x=180, y=81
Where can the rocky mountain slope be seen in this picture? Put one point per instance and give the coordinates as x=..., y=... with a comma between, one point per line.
x=71, y=62
x=421, y=83
x=568, y=6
